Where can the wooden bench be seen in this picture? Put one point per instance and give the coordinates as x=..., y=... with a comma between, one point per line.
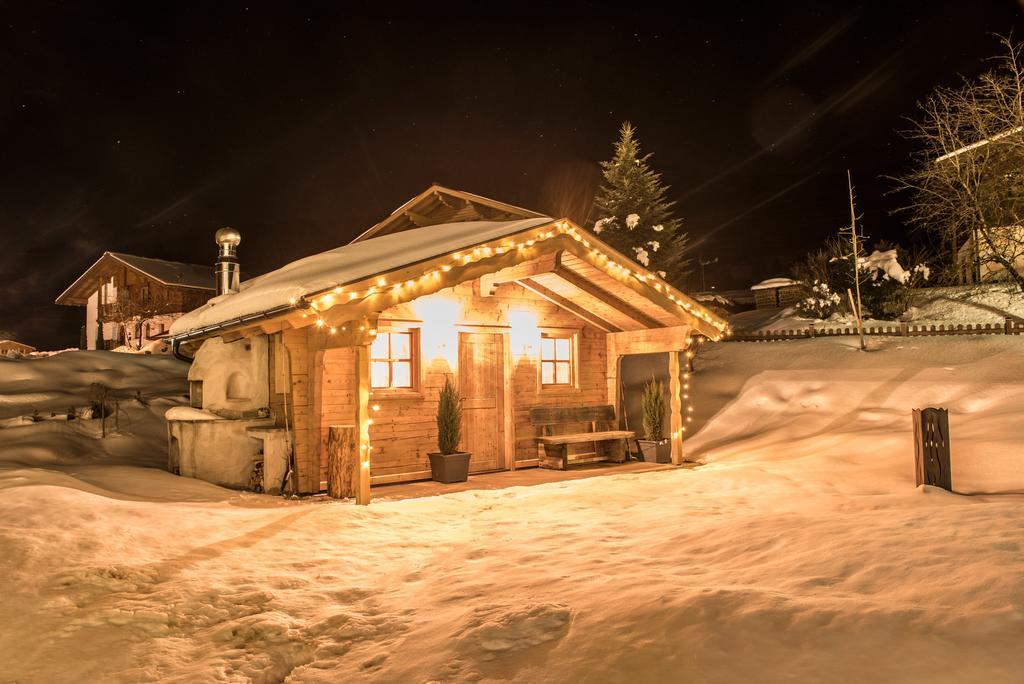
x=560, y=428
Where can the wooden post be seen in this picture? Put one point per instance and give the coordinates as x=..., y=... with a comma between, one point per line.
x=342, y=461
x=363, y=422
x=675, y=387
x=508, y=401
x=856, y=261
x=931, y=448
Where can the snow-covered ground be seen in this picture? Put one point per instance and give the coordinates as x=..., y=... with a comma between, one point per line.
x=973, y=305
x=800, y=552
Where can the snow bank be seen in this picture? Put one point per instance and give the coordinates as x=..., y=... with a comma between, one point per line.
x=822, y=399
x=800, y=552
x=58, y=382
x=142, y=389
x=990, y=303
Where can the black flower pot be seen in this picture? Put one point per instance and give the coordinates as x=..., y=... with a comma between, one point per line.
x=655, y=451
x=449, y=468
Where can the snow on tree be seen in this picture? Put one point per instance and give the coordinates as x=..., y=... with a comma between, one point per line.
x=633, y=215
x=821, y=302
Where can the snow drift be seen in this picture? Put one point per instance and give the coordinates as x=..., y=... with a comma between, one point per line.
x=800, y=552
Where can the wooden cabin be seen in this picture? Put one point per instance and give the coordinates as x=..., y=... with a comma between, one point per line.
x=522, y=312
x=132, y=300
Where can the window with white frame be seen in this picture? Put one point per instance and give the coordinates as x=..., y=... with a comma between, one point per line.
x=391, y=360
x=557, y=359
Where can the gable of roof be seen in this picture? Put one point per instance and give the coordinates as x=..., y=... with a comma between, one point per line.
x=438, y=204
x=169, y=273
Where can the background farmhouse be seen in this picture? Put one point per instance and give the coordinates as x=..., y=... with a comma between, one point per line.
x=131, y=300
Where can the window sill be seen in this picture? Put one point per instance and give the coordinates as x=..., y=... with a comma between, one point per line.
x=549, y=390
x=385, y=394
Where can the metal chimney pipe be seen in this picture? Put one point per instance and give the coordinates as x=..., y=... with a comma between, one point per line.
x=228, y=270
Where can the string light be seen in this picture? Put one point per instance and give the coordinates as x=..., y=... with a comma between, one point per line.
x=617, y=270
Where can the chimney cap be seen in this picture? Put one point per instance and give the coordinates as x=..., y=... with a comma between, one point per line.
x=227, y=236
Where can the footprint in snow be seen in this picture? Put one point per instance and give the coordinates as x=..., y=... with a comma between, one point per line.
x=494, y=631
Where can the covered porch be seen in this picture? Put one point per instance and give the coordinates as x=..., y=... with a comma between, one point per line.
x=544, y=326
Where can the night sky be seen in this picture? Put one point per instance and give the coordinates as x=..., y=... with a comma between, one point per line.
x=145, y=127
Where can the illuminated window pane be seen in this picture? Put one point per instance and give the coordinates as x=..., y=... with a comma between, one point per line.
x=379, y=348
x=379, y=374
x=561, y=373
x=547, y=348
x=547, y=372
x=562, y=349
x=401, y=374
x=400, y=347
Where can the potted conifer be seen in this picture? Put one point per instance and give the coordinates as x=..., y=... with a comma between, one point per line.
x=450, y=464
x=654, y=447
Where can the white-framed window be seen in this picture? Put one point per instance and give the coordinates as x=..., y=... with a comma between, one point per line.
x=392, y=360
x=557, y=359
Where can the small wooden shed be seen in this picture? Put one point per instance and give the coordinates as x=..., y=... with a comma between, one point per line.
x=521, y=312
x=15, y=348
x=777, y=292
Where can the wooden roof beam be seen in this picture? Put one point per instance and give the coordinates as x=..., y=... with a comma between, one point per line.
x=420, y=220
x=620, y=305
x=474, y=207
x=570, y=306
x=490, y=282
x=453, y=203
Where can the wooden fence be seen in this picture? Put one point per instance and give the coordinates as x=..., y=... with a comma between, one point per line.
x=1009, y=326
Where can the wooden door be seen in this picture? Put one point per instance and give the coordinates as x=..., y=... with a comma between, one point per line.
x=481, y=358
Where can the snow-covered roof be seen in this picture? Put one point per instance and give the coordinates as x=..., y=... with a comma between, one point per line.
x=14, y=344
x=343, y=265
x=773, y=283
x=170, y=273
x=981, y=143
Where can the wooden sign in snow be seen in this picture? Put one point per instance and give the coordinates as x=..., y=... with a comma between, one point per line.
x=931, y=448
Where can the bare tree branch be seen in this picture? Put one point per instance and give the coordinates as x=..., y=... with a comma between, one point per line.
x=967, y=183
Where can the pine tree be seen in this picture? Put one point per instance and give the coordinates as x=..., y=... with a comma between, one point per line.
x=633, y=215
x=449, y=419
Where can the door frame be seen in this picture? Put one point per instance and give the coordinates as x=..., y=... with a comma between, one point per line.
x=504, y=333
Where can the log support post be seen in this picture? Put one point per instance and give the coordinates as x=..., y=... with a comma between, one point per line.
x=675, y=387
x=363, y=423
x=342, y=461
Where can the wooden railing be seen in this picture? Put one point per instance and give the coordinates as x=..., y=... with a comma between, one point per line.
x=1009, y=326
